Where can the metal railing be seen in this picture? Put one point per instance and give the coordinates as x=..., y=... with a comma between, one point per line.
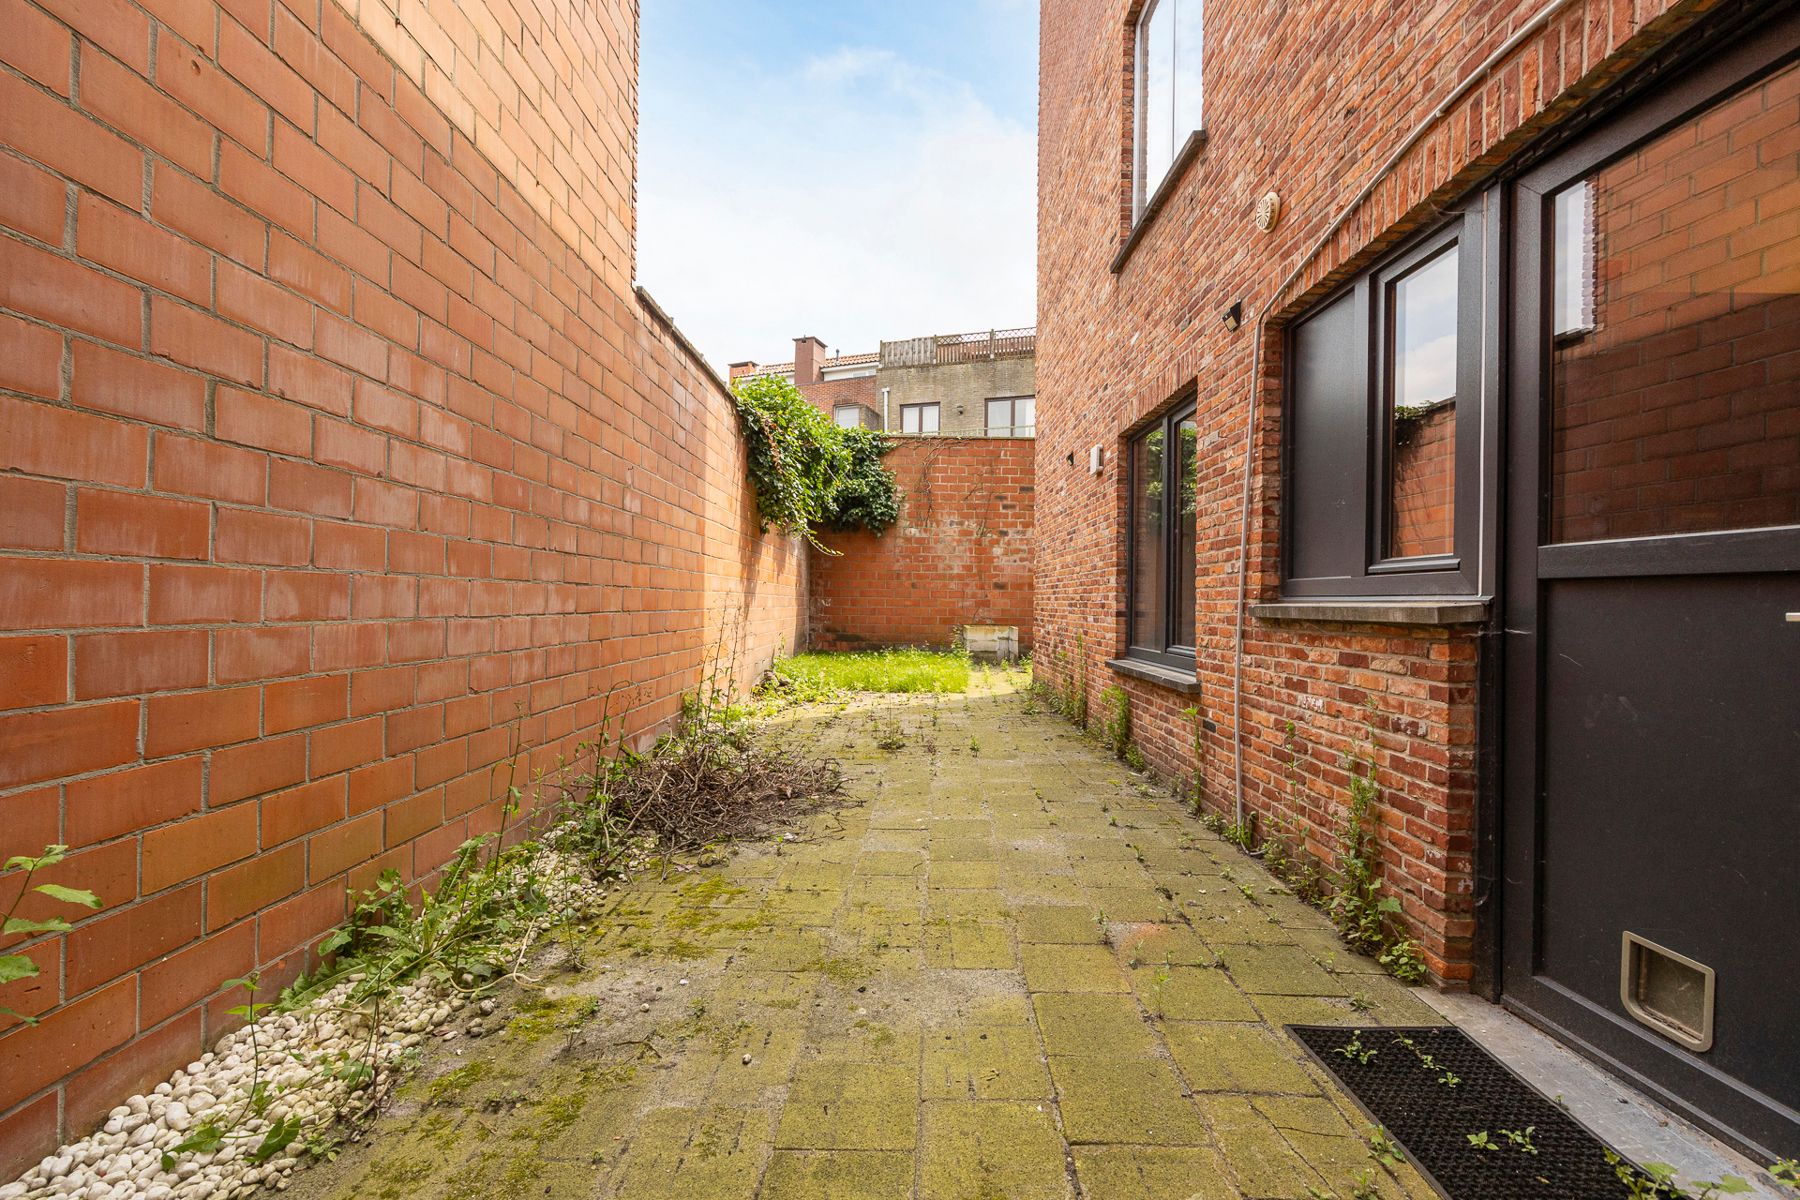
x=942, y=349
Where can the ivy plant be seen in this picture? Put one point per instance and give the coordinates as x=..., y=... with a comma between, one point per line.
x=808, y=473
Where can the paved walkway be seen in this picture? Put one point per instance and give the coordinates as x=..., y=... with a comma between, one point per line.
x=1015, y=972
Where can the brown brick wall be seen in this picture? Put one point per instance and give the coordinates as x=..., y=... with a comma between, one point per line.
x=960, y=555
x=1311, y=98
x=327, y=450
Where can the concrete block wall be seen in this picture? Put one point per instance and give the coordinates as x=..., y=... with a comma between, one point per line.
x=335, y=445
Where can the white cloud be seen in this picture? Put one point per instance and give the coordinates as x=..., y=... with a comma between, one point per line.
x=862, y=196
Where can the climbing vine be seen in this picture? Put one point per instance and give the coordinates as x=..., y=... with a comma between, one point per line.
x=808, y=473
x=866, y=497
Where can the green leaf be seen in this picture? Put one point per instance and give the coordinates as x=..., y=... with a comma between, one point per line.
x=49, y=858
x=281, y=1135
x=16, y=1015
x=16, y=966
x=1734, y=1185
x=57, y=891
x=22, y=925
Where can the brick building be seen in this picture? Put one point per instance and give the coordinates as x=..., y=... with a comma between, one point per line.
x=336, y=447
x=967, y=385
x=1421, y=385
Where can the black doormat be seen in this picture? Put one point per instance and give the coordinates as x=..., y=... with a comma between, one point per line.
x=1433, y=1090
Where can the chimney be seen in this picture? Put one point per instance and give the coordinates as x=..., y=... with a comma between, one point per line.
x=809, y=360
x=739, y=369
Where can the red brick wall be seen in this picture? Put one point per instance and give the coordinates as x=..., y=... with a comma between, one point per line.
x=1680, y=411
x=961, y=553
x=827, y=394
x=1312, y=98
x=1425, y=485
x=327, y=453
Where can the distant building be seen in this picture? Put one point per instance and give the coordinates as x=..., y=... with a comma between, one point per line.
x=957, y=385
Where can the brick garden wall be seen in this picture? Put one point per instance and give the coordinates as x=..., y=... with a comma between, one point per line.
x=961, y=553
x=1312, y=98
x=334, y=445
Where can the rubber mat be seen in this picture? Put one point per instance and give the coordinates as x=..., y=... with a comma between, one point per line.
x=1475, y=1129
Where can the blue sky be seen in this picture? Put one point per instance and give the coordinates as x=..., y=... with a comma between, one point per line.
x=851, y=169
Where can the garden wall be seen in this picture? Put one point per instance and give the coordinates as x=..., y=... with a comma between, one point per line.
x=336, y=451
x=961, y=553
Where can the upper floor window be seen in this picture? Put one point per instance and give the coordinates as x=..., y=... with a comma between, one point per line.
x=1012, y=416
x=918, y=418
x=848, y=416
x=1169, y=50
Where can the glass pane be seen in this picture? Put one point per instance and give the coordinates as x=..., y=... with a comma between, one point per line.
x=1574, y=273
x=1187, y=530
x=1148, y=580
x=849, y=416
x=1025, y=416
x=1156, y=59
x=909, y=419
x=1677, y=409
x=999, y=418
x=1422, y=428
x=928, y=419
x=1190, y=40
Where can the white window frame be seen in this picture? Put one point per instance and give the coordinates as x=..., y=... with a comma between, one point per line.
x=853, y=411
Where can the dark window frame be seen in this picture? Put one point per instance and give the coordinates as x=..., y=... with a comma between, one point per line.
x=1170, y=654
x=1363, y=514
x=921, y=407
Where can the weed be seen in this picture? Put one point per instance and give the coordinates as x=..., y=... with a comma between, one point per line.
x=1384, y=1149
x=1787, y=1173
x=820, y=676
x=1657, y=1182
x=1522, y=1139
x=1481, y=1141
x=1355, y=1051
x=22, y=966
x=1115, y=719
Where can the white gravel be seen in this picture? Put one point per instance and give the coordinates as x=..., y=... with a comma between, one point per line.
x=295, y=1054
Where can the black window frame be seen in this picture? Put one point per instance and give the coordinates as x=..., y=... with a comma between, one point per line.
x=1182, y=658
x=921, y=406
x=1355, y=535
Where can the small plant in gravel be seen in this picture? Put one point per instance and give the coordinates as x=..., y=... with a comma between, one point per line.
x=1521, y=1139
x=14, y=967
x=1656, y=1181
x=1482, y=1141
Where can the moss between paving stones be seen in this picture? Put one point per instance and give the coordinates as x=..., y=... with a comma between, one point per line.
x=905, y=987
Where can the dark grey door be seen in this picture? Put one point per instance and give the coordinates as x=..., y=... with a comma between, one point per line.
x=1652, y=729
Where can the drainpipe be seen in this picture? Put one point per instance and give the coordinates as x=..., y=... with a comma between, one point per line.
x=1243, y=563
x=885, y=426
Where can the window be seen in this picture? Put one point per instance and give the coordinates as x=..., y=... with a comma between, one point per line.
x=1384, y=447
x=1012, y=416
x=1170, y=41
x=1163, y=469
x=848, y=416
x=918, y=418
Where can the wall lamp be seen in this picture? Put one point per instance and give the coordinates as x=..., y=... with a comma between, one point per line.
x=1233, y=316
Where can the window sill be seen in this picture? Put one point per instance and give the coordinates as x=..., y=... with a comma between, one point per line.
x=1375, y=612
x=1189, y=152
x=1178, y=681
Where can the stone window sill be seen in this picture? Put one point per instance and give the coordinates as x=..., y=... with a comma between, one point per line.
x=1175, y=680
x=1375, y=612
x=1190, y=150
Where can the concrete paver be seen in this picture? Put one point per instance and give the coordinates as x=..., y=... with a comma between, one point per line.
x=1012, y=971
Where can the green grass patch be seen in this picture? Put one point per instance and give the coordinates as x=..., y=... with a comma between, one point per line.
x=816, y=675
